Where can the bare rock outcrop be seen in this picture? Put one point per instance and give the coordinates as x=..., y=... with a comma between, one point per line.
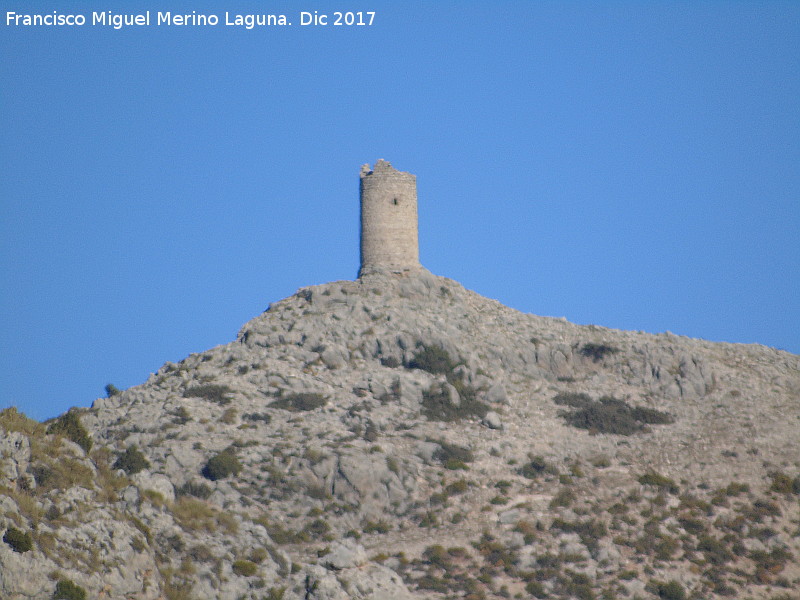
x=399, y=436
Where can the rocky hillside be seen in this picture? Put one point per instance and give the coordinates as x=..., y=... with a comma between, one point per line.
x=402, y=437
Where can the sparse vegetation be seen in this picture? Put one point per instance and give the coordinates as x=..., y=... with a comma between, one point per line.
x=13, y=420
x=196, y=515
x=612, y=530
x=784, y=484
x=300, y=402
x=658, y=480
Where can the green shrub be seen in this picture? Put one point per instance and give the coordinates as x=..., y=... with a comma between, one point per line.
x=535, y=589
x=213, y=393
x=70, y=427
x=300, y=402
x=275, y=593
x=244, y=568
x=714, y=550
x=282, y=536
x=670, y=590
x=770, y=562
x=229, y=416
x=761, y=509
x=614, y=416
x=66, y=590
x=379, y=526
x=433, y=583
x=263, y=417
x=666, y=547
x=457, y=487
x=577, y=585
x=317, y=528
x=564, y=498
x=495, y=553
x=692, y=525
x=433, y=359
x=222, y=465
x=18, y=540
x=734, y=488
x=527, y=529
x=198, y=490
x=783, y=484
x=390, y=362
x=131, y=461
x=436, y=404
x=437, y=555
x=590, y=532
x=181, y=415
x=658, y=480
x=112, y=390
x=575, y=400
x=537, y=466
x=650, y=416
x=452, y=456
x=61, y=472
x=597, y=351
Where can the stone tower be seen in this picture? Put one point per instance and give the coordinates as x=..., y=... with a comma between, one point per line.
x=389, y=240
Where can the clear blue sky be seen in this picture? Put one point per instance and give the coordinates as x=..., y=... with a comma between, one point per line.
x=632, y=165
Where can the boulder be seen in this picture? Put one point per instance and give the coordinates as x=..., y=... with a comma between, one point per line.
x=492, y=420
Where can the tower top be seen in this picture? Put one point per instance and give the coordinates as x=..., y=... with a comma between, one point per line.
x=389, y=238
x=382, y=167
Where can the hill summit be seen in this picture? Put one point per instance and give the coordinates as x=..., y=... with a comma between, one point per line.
x=399, y=436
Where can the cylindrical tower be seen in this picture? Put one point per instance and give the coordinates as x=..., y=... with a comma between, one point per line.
x=389, y=240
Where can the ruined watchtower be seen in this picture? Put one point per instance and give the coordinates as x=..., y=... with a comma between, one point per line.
x=389, y=240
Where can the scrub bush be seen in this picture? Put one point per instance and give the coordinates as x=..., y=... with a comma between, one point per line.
x=66, y=590
x=300, y=402
x=18, y=540
x=69, y=425
x=131, y=461
x=222, y=465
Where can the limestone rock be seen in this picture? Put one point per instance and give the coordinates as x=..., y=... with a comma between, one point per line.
x=492, y=420
x=497, y=394
x=156, y=483
x=344, y=555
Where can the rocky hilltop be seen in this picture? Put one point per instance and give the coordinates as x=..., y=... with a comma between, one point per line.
x=400, y=436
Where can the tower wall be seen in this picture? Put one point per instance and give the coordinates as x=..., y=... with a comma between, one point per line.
x=389, y=239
